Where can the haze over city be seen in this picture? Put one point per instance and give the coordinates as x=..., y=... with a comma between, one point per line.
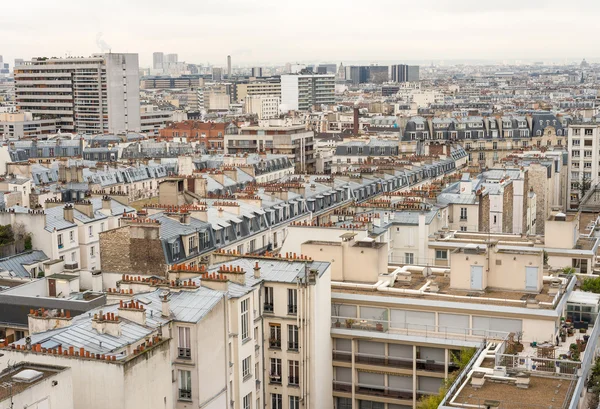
x=271, y=31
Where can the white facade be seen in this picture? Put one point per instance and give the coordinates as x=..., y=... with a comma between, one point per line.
x=300, y=92
x=98, y=94
x=584, y=155
x=265, y=107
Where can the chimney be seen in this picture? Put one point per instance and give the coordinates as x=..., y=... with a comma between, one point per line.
x=45, y=320
x=106, y=203
x=256, y=270
x=133, y=311
x=186, y=218
x=108, y=323
x=166, y=305
x=85, y=207
x=68, y=213
x=356, y=120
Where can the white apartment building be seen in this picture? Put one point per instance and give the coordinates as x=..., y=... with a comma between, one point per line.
x=302, y=91
x=70, y=232
x=265, y=107
x=584, y=159
x=98, y=94
x=153, y=119
x=256, y=88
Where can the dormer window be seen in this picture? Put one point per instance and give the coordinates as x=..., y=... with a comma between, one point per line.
x=175, y=248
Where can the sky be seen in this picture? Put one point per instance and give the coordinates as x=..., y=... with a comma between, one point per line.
x=278, y=31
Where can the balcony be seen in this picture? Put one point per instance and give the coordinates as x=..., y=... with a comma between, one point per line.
x=185, y=394
x=292, y=309
x=342, y=386
x=384, y=391
x=292, y=346
x=275, y=343
x=268, y=308
x=60, y=245
x=184, y=353
x=395, y=362
x=275, y=378
x=293, y=380
x=342, y=356
x=71, y=266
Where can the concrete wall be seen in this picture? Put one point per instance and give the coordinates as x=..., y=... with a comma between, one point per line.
x=321, y=370
x=562, y=234
x=123, y=92
x=296, y=235
x=44, y=394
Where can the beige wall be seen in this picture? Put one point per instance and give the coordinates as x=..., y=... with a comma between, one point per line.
x=562, y=234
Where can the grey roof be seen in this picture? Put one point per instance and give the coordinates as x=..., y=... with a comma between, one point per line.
x=186, y=306
x=16, y=263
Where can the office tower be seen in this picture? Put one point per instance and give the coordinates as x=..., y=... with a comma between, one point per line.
x=171, y=58
x=158, y=60
x=327, y=69
x=405, y=73
x=97, y=94
x=302, y=91
x=378, y=74
x=3, y=67
x=257, y=72
x=228, y=66
x=19, y=61
x=217, y=74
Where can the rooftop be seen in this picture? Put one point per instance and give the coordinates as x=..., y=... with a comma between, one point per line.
x=31, y=374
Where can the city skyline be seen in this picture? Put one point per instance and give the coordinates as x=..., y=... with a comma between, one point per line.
x=510, y=31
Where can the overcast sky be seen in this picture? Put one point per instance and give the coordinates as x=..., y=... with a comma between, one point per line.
x=279, y=31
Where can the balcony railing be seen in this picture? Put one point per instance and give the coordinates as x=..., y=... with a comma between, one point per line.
x=342, y=386
x=428, y=331
x=275, y=343
x=292, y=345
x=268, y=307
x=384, y=391
x=292, y=308
x=275, y=378
x=342, y=356
x=293, y=380
x=185, y=353
x=185, y=394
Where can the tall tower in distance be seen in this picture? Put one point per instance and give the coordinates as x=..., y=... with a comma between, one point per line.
x=228, y=67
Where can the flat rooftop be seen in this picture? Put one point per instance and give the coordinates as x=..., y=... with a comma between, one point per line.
x=41, y=373
x=490, y=296
x=542, y=393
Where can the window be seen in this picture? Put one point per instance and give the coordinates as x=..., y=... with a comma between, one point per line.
x=463, y=213
x=246, y=365
x=91, y=231
x=409, y=258
x=587, y=154
x=494, y=145
x=294, y=402
x=245, y=319
x=92, y=251
x=441, y=254
x=192, y=244
x=293, y=337
x=185, y=385
x=463, y=228
x=72, y=236
x=246, y=401
x=72, y=256
x=268, y=307
x=588, y=132
x=276, y=401
x=275, y=373
x=183, y=347
x=274, y=336
x=588, y=142
x=175, y=250
x=576, y=142
x=481, y=155
x=468, y=134
x=293, y=373
x=60, y=241
x=292, y=301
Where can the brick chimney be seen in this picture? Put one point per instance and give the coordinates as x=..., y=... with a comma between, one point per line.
x=133, y=311
x=256, y=270
x=68, y=213
x=106, y=203
x=108, y=323
x=45, y=320
x=85, y=207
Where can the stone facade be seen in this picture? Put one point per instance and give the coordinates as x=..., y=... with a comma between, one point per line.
x=484, y=213
x=507, y=208
x=132, y=250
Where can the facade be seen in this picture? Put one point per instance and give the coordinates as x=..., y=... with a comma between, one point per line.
x=99, y=94
x=256, y=72
x=158, y=59
x=256, y=88
x=152, y=119
x=303, y=91
x=584, y=158
x=294, y=141
x=264, y=107
x=405, y=73
x=20, y=125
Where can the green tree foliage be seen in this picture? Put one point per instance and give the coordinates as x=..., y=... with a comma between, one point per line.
x=6, y=234
x=591, y=285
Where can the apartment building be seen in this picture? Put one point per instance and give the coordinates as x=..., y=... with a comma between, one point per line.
x=152, y=119
x=99, y=94
x=69, y=231
x=255, y=88
x=405, y=73
x=264, y=107
x=18, y=125
x=300, y=92
x=276, y=137
x=399, y=332
x=584, y=160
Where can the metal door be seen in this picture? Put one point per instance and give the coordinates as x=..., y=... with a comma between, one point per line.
x=476, y=277
x=531, y=278
x=52, y=288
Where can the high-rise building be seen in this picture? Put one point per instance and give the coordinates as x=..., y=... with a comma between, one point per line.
x=3, y=67
x=367, y=73
x=158, y=59
x=405, y=73
x=228, y=66
x=171, y=58
x=19, y=61
x=97, y=94
x=257, y=72
x=217, y=74
x=302, y=91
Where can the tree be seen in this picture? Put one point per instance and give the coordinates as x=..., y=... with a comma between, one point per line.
x=591, y=285
x=6, y=234
x=582, y=185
